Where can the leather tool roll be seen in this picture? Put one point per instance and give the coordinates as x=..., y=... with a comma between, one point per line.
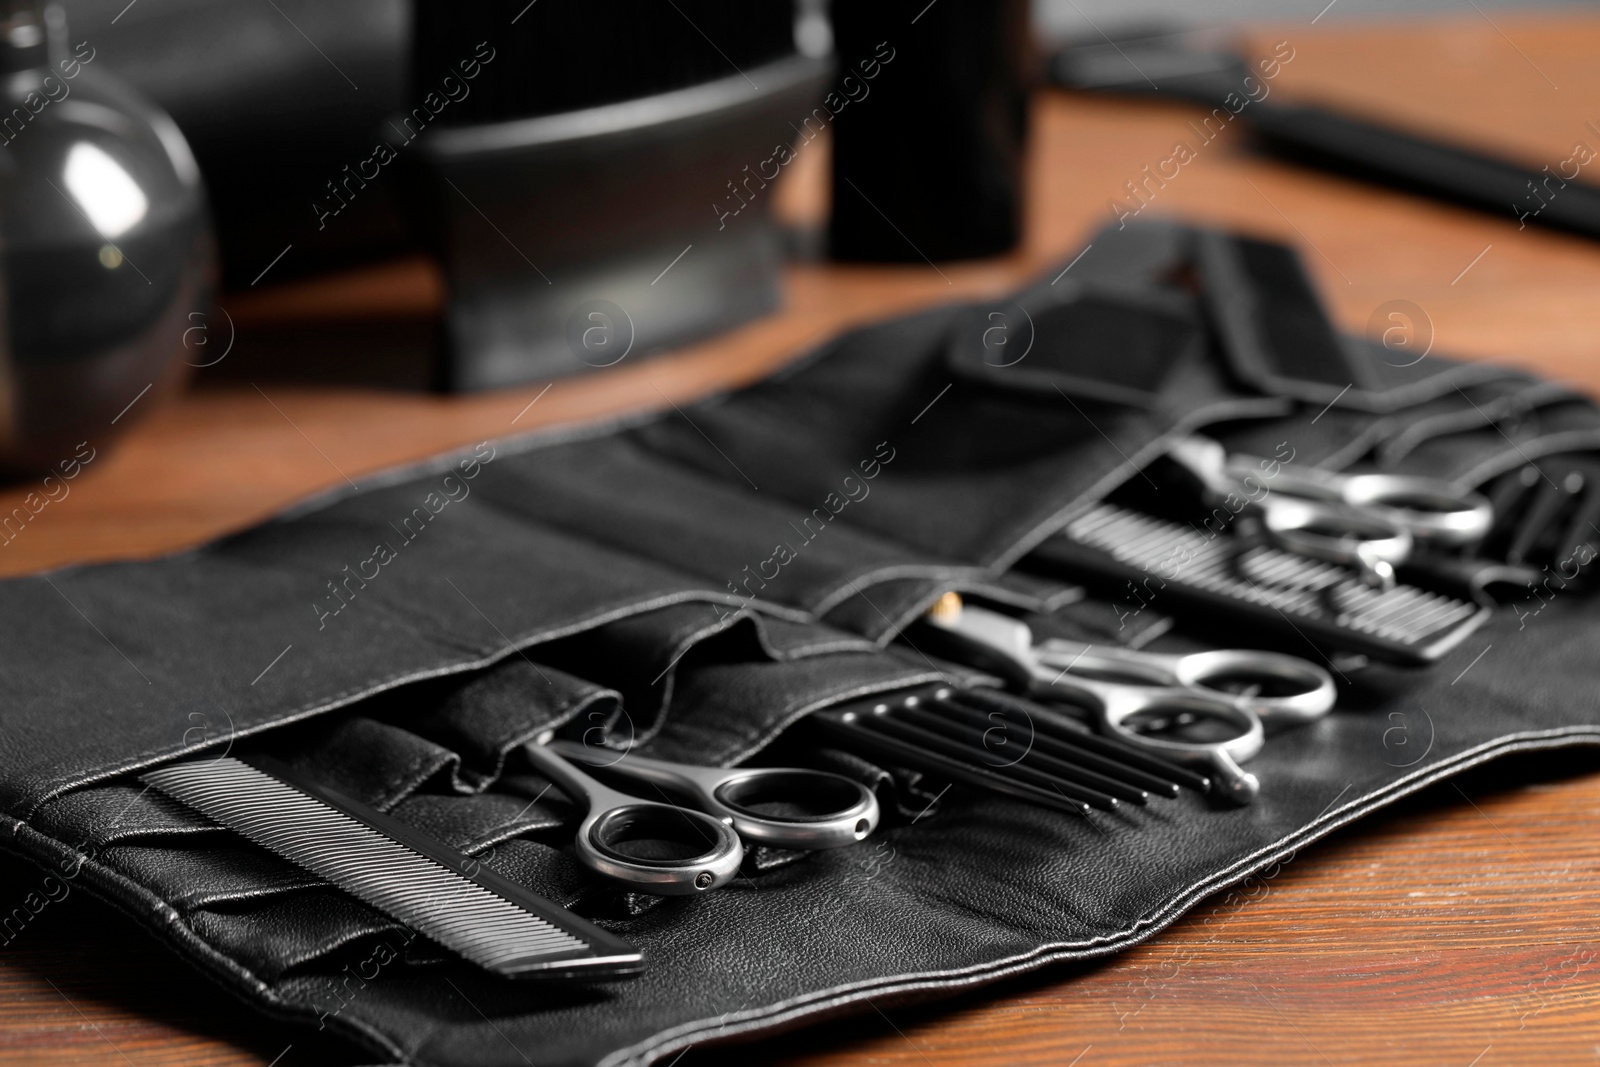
x=702, y=599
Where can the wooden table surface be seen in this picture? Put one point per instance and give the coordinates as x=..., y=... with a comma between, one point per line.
x=1460, y=929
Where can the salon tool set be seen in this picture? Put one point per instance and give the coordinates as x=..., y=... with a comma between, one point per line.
x=1150, y=597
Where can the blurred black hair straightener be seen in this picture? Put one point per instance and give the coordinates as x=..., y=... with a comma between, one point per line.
x=1197, y=67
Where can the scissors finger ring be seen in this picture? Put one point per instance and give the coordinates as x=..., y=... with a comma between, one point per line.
x=645, y=845
x=1125, y=690
x=1282, y=690
x=784, y=807
x=694, y=841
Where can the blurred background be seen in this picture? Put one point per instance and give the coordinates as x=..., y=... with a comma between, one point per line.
x=1067, y=16
x=384, y=198
x=553, y=163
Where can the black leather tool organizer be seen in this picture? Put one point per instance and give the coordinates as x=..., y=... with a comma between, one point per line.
x=702, y=583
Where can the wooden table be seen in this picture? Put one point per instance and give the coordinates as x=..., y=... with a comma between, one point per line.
x=1460, y=929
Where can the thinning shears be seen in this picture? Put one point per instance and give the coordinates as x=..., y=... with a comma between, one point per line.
x=1131, y=694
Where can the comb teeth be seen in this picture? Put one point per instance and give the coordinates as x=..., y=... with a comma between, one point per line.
x=408, y=876
x=1404, y=615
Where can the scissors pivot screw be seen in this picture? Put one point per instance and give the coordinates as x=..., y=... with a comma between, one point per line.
x=704, y=879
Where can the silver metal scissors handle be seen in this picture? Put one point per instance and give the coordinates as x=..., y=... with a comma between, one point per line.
x=820, y=810
x=1432, y=510
x=1367, y=521
x=1120, y=706
x=1151, y=688
x=645, y=845
x=1371, y=544
x=1282, y=690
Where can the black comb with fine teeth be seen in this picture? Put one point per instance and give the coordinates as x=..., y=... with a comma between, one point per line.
x=1259, y=584
x=1003, y=744
x=405, y=874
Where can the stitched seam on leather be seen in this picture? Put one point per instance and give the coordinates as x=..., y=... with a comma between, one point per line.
x=984, y=583
x=667, y=1041
x=1413, y=433
x=563, y=712
x=108, y=885
x=825, y=643
x=561, y=717
x=988, y=586
x=383, y=684
x=514, y=445
x=669, y=675
x=1570, y=441
x=395, y=789
x=932, y=572
x=822, y=648
x=1023, y=540
x=1468, y=372
x=159, y=906
x=1373, y=437
x=695, y=474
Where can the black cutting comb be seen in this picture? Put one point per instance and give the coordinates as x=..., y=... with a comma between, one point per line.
x=1002, y=744
x=1232, y=576
x=407, y=875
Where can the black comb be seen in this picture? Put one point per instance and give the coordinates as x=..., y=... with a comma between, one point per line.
x=1003, y=744
x=405, y=874
x=1259, y=584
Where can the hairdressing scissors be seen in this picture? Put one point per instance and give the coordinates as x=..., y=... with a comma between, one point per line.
x=1368, y=521
x=1238, y=689
x=674, y=849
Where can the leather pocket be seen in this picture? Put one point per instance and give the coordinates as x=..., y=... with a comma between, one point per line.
x=452, y=735
x=441, y=755
x=288, y=623
x=741, y=540
x=1473, y=457
x=1408, y=439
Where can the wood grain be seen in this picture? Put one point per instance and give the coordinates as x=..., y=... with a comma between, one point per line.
x=1453, y=932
